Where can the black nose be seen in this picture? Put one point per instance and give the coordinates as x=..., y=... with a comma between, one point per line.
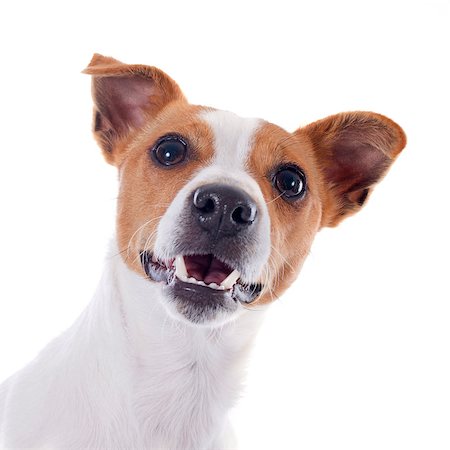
x=224, y=209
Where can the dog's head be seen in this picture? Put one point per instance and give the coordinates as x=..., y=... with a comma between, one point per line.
x=219, y=210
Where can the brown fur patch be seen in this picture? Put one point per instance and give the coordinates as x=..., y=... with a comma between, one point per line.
x=293, y=224
x=146, y=189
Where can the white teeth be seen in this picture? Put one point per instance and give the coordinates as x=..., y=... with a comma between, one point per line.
x=192, y=280
x=180, y=268
x=230, y=280
x=215, y=286
x=182, y=274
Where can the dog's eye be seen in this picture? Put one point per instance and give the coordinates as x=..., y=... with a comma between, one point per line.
x=291, y=182
x=170, y=150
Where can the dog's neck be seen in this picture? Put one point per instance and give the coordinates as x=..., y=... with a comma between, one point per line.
x=183, y=378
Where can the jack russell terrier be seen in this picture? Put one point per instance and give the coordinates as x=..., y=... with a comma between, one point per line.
x=215, y=216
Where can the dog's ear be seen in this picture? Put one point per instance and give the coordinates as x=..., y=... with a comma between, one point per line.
x=125, y=98
x=354, y=151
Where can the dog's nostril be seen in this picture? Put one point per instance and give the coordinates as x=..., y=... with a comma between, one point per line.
x=244, y=215
x=210, y=206
x=204, y=202
x=223, y=209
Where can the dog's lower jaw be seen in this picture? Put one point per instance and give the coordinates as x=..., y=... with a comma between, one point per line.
x=195, y=301
x=129, y=376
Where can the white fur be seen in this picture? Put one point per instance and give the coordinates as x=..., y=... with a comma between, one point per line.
x=127, y=376
x=233, y=136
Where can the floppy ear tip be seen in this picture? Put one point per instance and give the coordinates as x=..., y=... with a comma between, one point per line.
x=99, y=60
x=401, y=139
x=397, y=136
x=96, y=58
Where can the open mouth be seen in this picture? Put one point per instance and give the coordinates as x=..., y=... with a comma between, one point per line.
x=202, y=271
x=205, y=270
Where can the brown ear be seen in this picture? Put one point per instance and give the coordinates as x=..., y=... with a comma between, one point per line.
x=125, y=98
x=354, y=151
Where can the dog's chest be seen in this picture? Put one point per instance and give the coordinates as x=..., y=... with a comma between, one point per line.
x=181, y=397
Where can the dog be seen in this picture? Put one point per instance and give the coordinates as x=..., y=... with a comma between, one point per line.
x=215, y=217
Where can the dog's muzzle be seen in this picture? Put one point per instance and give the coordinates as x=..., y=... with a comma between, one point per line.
x=210, y=253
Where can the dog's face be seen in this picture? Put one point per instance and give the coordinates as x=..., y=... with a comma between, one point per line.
x=219, y=210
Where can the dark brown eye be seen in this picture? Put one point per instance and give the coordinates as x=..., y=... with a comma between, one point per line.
x=290, y=182
x=170, y=150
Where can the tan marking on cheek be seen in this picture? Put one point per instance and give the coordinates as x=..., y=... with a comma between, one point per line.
x=293, y=225
x=146, y=189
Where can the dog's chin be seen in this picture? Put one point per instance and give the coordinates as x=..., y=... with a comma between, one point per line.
x=200, y=305
x=212, y=301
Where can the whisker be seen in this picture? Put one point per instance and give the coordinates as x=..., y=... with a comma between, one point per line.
x=146, y=246
x=276, y=198
x=116, y=254
x=283, y=259
x=137, y=231
x=149, y=239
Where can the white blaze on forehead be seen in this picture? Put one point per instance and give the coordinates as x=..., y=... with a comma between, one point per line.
x=233, y=137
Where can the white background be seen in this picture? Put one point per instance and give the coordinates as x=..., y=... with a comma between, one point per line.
x=356, y=354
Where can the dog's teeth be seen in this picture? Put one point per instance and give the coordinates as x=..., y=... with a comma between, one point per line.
x=182, y=274
x=154, y=259
x=180, y=268
x=230, y=280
